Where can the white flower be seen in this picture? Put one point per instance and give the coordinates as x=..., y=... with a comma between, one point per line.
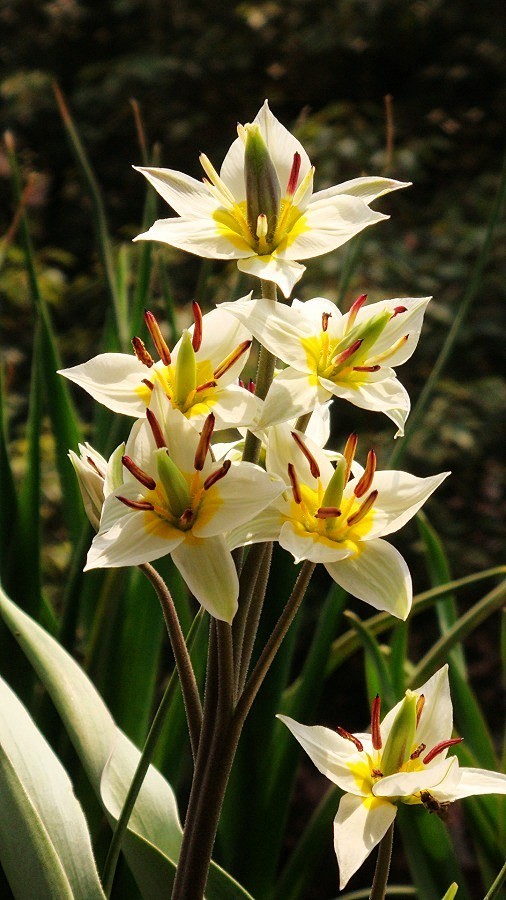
x=97, y=478
x=260, y=209
x=333, y=518
x=177, y=500
x=329, y=354
x=198, y=376
x=403, y=760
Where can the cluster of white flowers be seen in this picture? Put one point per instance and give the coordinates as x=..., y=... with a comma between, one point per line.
x=173, y=490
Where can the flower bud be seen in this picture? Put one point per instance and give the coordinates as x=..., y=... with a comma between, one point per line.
x=402, y=736
x=96, y=478
x=263, y=193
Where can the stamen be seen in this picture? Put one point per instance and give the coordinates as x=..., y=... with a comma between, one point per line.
x=366, y=368
x=354, y=309
x=94, y=466
x=157, y=337
x=313, y=465
x=187, y=517
x=215, y=179
x=218, y=475
x=418, y=752
x=363, y=509
x=141, y=353
x=138, y=473
x=350, y=737
x=304, y=187
x=375, y=723
x=377, y=773
x=346, y=354
x=206, y=386
x=155, y=429
x=420, y=703
x=197, y=331
x=262, y=226
x=382, y=357
x=325, y=320
x=241, y=383
x=137, y=504
x=251, y=386
x=294, y=481
x=232, y=358
x=327, y=512
x=204, y=443
x=149, y=384
x=443, y=745
x=398, y=310
x=365, y=482
x=349, y=453
x=294, y=175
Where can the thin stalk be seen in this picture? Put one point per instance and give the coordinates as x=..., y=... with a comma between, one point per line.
x=494, y=889
x=253, y=617
x=182, y=659
x=265, y=374
x=379, y=884
x=143, y=766
x=273, y=644
x=447, y=348
x=247, y=583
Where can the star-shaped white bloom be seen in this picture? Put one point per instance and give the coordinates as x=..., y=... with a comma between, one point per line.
x=338, y=516
x=198, y=376
x=260, y=209
x=175, y=499
x=329, y=354
x=403, y=760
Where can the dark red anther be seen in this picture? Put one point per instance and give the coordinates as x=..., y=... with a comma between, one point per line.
x=327, y=512
x=197, y=331
x=313, y=465
x=418, y=752
x=443, y=745
x=349, y=453
x=141, y=353
x=377, y=773
x=155, y=429
x=251, y=386
x=204, y=443
x=294, y=481
x=94, y=466
x=138, y=505
x=354, y=309
x=241, y=383
x=206, y=386
x=420, y=703
x=398, y=310
x=363, y=509
x=350, y=737
x=157, y=337
x=138, y=473
x=347, y=354
x=187, y=518
x=218, y=475
x=294, y=175
x=325, y=320
x=366, y=480
x=375, y=723
x=366, y=368
x=149, y=384
x=232, y=358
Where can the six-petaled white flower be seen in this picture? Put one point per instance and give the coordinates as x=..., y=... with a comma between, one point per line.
x=260, y=209
x=403, y=760
x=338, y=516
x=333, y=355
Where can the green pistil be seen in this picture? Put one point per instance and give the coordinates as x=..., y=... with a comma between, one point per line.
x=185, y=377
x=402, y=736
x=174, y=483
x=263, y=193
x=334, y=492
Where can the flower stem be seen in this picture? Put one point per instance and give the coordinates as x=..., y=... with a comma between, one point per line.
x=182, y=659
x=265, y=374
x=252, y=613
x=379, y=884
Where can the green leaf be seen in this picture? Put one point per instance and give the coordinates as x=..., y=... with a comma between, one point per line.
x=451, y=892
x=429, y=852
x=45, y=846
x=379, y=681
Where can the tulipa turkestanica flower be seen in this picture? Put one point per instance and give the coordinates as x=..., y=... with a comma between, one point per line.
x=198, y=376
x=97, y=478
x=175, y=499
x=260, y=209
x=329, y=354
x=338, y=515
x=402, y=760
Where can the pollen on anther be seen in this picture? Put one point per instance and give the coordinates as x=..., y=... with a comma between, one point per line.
x=375, y=723
x=418, y=752
x=294, y=482
x=327, y=512
x=204, y=443
x=218, y=475
x=197, y=331
x=363, y=509
x=139, y=505
x=155, y=429
x=157, y=337
x=142, y=477
x=325, y=320
x=141, y=353
x=366, y=480
x=350, y=737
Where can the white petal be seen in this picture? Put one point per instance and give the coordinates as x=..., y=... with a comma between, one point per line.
x=282, y=449
x=283, y=272
x=331, y=753
x=264, y=527
x=436, y=720
x=113, y=379
x=327, y=225
x=378, y=392
x=366, y=188
x=201, y=236
x=209, y=571
x=379, y=575
x=290, y=395
x=472, y=782
x=409, y=322
x=278, y=327
x=404, y=784
x=318, y=427
x=234, y=407
x=312, y=546
x=186, y=195
x=136, y=538
x=400, y=496
x=244, y=491
x=221, y=334
x=359, y=825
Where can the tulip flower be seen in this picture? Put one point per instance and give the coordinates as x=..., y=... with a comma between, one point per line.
x=403, y=760
x=333, y=355
x=260, y=209
x=96, y=477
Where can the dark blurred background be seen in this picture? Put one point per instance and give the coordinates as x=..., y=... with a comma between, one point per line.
x=195, y=69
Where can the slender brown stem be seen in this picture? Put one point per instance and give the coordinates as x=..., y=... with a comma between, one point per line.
x=265, y=374
x=380, y=880
x=253, y=617
x=182, y=659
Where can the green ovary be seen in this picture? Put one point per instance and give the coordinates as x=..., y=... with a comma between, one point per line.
x=334, y=529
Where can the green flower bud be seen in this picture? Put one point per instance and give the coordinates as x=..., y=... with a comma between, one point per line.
x=402, y=736
x=185, y=379
x=174, y=483
x=263, y=193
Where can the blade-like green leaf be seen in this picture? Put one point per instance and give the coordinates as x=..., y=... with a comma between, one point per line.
x=429, y=852
x=45, y=840
x=9, y=504
x=379, y=681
